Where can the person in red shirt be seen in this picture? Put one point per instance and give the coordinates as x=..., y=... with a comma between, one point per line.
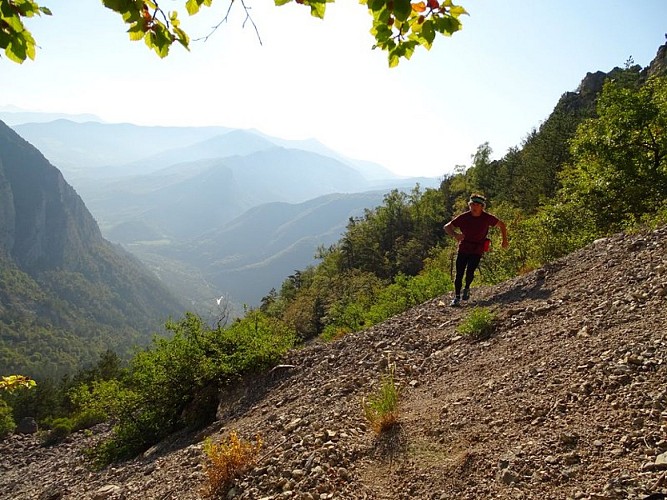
x=473, y=227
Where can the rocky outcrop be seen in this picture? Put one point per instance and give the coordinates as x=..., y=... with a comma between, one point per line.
x=658, y=66
x=66, y=294
x=592, y=84
x=582, y=101
x=565, y=400
x=44, y=224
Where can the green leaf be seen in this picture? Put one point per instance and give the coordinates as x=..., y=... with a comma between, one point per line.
x=393, y=60
x=402, y=9
x=115, y=5
x=446, y=25
x=136, y=32
x=457, y=10
x=182, y=37
x=16, y=25
x=428, y=32
x=13, y=57
x=317, y=9
x=29, y=44
x=376, y=5
x=192, y=6
x=382, y=32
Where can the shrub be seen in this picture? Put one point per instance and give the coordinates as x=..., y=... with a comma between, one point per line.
x=172, y=385
x=228, y=460
x=87, y=419
x=7, y=424
x=381, y=408
x=478, y=324
x=406, y=292
x=60, y=429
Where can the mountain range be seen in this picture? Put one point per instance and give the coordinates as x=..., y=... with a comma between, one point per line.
x=177, y=196
x=66, y=293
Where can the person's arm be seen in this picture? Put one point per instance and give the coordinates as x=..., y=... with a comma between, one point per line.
x=451, y=231
x=503, y=230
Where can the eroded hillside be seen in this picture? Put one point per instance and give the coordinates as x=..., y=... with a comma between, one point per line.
x=566, y=399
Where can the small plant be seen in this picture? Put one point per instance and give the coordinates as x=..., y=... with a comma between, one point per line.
x=381, y=409
x=87, y=419
x=61, y=428
x=228, y=460
x=478, y=324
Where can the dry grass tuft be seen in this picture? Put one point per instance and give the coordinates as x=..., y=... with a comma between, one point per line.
x=228, y=460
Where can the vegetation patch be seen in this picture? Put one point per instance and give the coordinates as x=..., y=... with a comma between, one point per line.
x=228, y=460
x=478, y=324
x=381, y=408
x=7, y=424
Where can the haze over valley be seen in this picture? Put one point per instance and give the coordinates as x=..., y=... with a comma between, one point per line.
x=211, y=210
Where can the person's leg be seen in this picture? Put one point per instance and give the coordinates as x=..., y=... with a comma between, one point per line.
x=461, y=262
x=473, y=263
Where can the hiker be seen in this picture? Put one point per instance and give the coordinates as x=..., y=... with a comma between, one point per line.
x=473, y=242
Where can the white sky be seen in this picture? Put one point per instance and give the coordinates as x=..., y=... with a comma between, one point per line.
x=494, y=81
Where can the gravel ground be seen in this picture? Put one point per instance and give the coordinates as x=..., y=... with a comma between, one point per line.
x=566, y=399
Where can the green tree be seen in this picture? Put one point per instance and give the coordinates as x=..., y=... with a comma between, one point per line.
x=399, y=26
x=482, y=171
x=619, y=169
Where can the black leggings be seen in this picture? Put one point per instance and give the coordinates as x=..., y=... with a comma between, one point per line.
x=465, y=263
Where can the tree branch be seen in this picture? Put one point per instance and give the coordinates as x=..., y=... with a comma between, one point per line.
x=224, y=20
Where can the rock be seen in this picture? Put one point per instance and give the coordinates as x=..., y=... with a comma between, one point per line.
x=27, y=425
x=106, y=491
x=661, y=461
x=506, y=476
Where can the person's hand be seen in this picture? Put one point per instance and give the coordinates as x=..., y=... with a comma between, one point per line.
x=505, y=244
x=459, y=237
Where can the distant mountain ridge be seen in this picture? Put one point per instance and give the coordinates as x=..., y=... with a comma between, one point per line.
x=120, y=149
x=12, y=115
x=162, y=191
x=76, y=147
x=66, y=293
x=271, y=241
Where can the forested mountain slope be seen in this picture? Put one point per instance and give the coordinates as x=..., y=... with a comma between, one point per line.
x=564, y=399
x=66, y=293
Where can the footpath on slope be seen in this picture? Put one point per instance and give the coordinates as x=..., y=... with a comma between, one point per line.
x=566, y=399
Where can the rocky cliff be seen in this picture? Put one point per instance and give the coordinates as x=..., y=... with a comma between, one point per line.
x=66, y=294
x=44, y=224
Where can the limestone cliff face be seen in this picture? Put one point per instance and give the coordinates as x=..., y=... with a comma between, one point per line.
x=44, y=224
x=66, y=294
x=658, y=66
x=582, y=101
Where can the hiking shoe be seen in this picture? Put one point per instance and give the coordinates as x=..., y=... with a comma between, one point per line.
x=466, y=293
x=455, y=302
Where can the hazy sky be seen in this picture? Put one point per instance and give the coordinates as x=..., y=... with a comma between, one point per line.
x=494, y=81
